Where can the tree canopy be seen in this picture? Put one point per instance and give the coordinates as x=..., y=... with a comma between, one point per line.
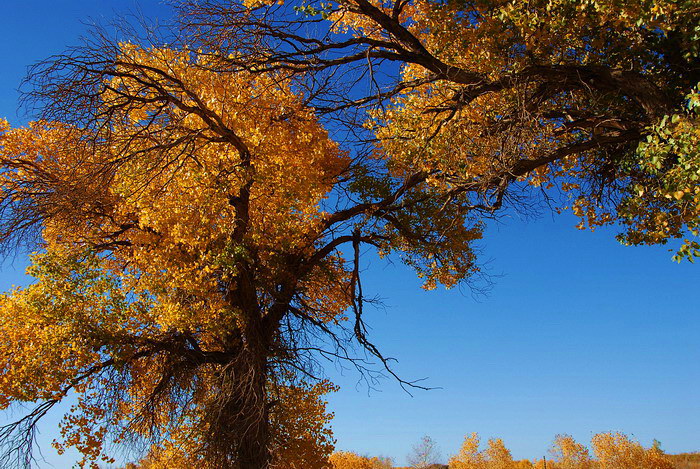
x=198, y=202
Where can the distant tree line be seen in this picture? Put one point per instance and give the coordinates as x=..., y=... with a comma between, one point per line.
x=610, y=450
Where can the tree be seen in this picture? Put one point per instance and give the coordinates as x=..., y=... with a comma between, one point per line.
x=199, y=231
x=182, y=263
x=350, y=460
x=568, y=454
x=613, y=450
x=188, y=266
x=617, y=451
x=424, y=453
x=469, y=456
x=494, y=456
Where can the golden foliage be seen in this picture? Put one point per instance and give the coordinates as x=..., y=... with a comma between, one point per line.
x=302, y=438
x=617, y=451
x=494, y=456
x=612, y=451
x=568, y=454
x=193, y=211
x=502, y=94
x=141, y=249
x=350, y=460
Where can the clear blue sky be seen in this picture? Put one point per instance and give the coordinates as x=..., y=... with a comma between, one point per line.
x=578, y=335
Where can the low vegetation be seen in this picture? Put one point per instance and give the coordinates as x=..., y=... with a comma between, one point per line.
x=686, y=460
x=610, y=450
x=607, y=451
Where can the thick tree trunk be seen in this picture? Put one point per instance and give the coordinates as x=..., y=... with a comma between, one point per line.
x=237, y=416
x=244, y=429
x=253, y=452
x=253, y=449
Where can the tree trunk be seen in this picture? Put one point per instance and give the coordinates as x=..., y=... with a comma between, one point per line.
x=237, y=417
x=253, y=449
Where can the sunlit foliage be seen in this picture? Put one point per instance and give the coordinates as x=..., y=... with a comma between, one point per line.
x=350, y=460
x=617, y=451
x=612, y=451
x=146, y=230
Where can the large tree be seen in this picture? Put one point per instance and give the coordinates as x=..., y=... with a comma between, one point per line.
x=199, y=230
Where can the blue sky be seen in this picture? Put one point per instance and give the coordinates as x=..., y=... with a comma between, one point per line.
x=578, y=334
